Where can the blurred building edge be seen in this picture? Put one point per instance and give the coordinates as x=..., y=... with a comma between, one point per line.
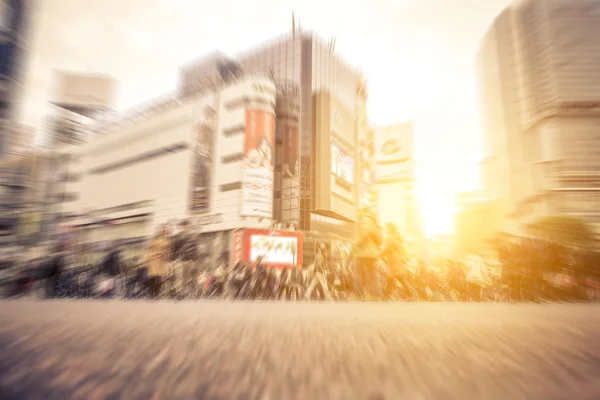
x=329, y=182
x=80, y=100
x=394, y=177
x=540, y=97
x=20, y=140
x=22, y=197
x=15, y=17
x=478, y=221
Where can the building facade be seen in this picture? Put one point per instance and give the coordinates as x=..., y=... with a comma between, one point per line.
x=80, y=100
x=210, y=158
x=541, y=106
x=395, y=180
x=332, y=124
x=14, y=23
x=22, y=197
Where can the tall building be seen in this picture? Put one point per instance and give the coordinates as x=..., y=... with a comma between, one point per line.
x=395, y=180
x=333, y=130
x=209, y=157
x=14, y=20
x=80, y=99
x=540, y=97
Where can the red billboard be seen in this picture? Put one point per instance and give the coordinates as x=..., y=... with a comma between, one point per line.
x=257, y=196
x=237, y=246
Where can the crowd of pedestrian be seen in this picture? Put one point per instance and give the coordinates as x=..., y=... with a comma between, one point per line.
x=376, y=268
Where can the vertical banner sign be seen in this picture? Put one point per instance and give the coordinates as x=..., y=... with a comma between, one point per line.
x=203, y=166
x=237, y=246
x=257, y=193
x=290, y=192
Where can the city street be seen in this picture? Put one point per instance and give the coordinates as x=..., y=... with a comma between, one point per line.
x=257, y=350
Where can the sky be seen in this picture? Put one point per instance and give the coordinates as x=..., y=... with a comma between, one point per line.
x=417, y=55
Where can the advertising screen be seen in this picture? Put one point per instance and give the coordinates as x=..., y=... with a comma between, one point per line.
x=277, y=248
x=280, y=250
x=342, y=164
x=257, y=193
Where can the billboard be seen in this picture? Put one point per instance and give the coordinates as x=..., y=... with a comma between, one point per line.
x=257, y=190
x=393, y=153
x=276, y=248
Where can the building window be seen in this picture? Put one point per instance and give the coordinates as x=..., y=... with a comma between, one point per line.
x=343, y=184
x=342, y=198
x=140, y=158
x=124, y=207
x=237, y=103
x=342, y=165
x=228, y=187
x=232, y=158
x=235, y=130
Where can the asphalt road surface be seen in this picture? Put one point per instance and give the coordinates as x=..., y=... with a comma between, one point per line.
x=259, y=350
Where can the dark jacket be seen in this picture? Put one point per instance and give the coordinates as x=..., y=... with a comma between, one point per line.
x=185, y=247
x=112, y=264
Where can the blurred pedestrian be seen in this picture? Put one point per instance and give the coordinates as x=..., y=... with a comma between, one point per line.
x=394, y=255
x=52, y=271
x=317, y=280
x=112, y=267
x=185, y=256
x=366, y=254
x=477, y=277
x=157, y=260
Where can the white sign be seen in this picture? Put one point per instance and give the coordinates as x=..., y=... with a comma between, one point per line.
x=393, y=153
x=281, y=250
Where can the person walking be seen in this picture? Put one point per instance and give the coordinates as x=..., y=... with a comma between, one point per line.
x=185, y=256
x=111, y=268
x=317, y=279
x=157, y=260
x=366, y=254
x=477, y=277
